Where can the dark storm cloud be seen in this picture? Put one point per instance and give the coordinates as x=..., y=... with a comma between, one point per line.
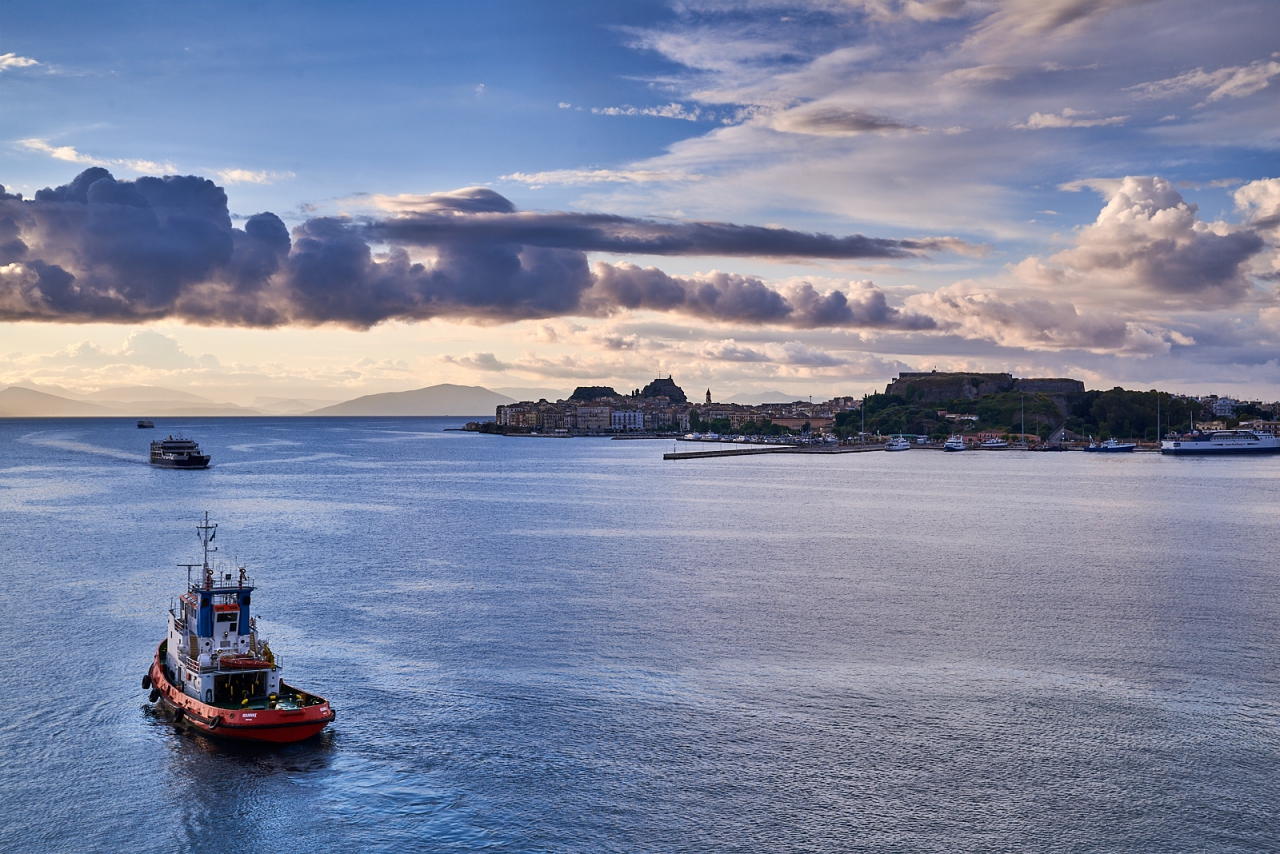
x=98, y=249
x=626, y=235
x=743, y=299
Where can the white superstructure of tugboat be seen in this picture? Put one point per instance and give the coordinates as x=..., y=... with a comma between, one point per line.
x=1221, y=442
x=215, y=674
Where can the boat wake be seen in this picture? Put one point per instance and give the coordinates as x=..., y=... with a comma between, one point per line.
x=64, y=443
x=309, y=458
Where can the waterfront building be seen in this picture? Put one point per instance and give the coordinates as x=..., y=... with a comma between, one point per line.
x=594, y=419
x=626, y=420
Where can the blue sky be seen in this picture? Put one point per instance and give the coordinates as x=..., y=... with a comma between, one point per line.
x=1062, y=187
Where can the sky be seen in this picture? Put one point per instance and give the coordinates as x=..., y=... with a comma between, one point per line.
x=325, y=200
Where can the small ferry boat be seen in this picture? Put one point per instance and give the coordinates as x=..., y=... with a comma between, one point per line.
x=146, y=425
x=216, y=675
x=1221, y=442
x=953, y=443
x=897, y=443
x=994, y=445
x=179, y=453
x=1111, y=446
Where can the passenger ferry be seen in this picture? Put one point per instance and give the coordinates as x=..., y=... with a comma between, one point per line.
x=216, y=675
x=954, y=443
x=179, y=453
x=1221, y=442
x=897, y=443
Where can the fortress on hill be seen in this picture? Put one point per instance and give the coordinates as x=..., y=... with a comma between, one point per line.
x=931, y=386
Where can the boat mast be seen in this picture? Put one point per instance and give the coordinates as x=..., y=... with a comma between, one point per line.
x=207, y=533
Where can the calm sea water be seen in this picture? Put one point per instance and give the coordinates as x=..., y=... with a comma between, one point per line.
x=571, y=645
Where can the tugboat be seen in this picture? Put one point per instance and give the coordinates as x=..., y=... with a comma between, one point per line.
x=179, y=453
x=214, y=674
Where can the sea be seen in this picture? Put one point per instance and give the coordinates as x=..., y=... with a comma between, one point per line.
x=572, y=645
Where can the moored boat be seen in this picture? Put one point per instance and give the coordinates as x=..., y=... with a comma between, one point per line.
x=994, y=445
x=1221, y=442
x=1111, y=446
x=953, y=443
x=179, y=453
x=215, y=674
x=897, y=443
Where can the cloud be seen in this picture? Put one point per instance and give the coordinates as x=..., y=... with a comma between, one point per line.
x=836, y=121
x=1018, y=22
x=1069, y=119
x=99, y=249
x=1149, y=239
x=12, y=60
x=71, y=155
x=667, y=111
x=246, y=176
x=1035, y=323
x=610, y=233
x=1237, y=81
x=144, y=348
x=731, y=298
x=581, y=177
x=981, y=74
x=730, y=350
x=1260, y=203
x=464, y=201
x=916, y=10
x=479, y=362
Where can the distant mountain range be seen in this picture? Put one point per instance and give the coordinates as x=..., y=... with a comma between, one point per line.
x=444, y=399
x=754, y=398
x=25, y=401
x=19, y=402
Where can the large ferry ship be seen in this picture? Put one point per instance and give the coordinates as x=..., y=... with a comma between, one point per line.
x=1221, y=442
x=179, y=453
x=213, y=673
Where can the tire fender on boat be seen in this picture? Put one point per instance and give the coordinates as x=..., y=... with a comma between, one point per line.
x=155, y=695
x=213, y=724
x=178, y=714
x=146, y=681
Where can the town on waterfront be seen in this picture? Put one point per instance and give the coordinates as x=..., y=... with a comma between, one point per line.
x=927, y=407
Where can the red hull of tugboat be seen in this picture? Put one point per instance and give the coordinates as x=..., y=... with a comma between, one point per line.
x=274, y=726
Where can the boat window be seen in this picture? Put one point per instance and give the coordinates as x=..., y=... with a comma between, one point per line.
x=228, y=617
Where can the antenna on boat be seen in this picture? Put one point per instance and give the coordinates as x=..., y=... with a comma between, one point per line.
x=207, y=533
